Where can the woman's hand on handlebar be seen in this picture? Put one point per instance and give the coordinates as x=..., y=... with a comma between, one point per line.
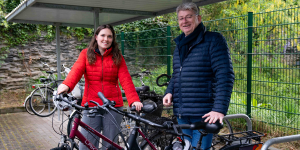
x=213, y=116
x=138, y=105
x=62, y=88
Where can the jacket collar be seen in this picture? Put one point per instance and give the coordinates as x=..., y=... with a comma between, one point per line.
x=107, y=51
x=199, y=38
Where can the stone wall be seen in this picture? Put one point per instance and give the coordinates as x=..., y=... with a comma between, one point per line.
x=24, y=63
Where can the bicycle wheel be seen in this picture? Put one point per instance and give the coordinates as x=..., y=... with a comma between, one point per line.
x=27, y=105
x=126, y=126
x=159, y=139
x=41, y=102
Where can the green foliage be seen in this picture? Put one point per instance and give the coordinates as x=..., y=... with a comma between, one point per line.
x=9, y=5
x=141, y=25
x=82, y=46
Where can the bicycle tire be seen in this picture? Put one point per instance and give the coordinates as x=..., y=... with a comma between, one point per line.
x=159, y=139
x=42, y=105
x=27, y=105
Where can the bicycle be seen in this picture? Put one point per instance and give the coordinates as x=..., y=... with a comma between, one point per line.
x=246, y=139
x=145, y=94
x=168, y=131
x=41, y=101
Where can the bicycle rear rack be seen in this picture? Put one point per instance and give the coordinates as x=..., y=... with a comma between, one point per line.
x=246, y=137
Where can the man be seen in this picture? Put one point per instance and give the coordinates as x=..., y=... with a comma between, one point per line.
x=202, y=78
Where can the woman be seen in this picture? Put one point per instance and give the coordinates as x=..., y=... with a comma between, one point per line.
x=102, y=66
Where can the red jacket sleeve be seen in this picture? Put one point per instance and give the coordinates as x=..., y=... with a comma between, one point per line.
x=127, y=84
x=77, y=71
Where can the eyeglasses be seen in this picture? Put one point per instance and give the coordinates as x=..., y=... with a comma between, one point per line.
x=188, y=17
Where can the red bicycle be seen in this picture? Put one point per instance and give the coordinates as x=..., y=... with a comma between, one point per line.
x=165, y=135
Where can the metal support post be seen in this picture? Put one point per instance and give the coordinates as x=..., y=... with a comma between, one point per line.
x=122, y=43
x=249, y=62
x=168, y=50
x=58, y=51
x=96, y=18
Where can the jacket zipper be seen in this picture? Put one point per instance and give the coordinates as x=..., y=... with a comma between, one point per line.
x=179, y=115
x=118, y=94
x=102, y=74
x=88, y=93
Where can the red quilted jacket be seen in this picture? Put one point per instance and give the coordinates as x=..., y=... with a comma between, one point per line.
x=102, y=77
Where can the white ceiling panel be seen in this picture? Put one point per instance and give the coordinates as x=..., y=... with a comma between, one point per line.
x=81, y=12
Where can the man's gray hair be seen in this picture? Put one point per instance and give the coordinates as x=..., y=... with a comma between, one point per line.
x=188, y=6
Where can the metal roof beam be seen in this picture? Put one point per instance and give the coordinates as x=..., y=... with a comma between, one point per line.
x=201, y=3
x=85, y=8
x=19, y=9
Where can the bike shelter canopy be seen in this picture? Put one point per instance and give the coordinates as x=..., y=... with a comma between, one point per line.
x=91, y=13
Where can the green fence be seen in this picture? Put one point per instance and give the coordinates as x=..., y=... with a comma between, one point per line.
x=265, y=51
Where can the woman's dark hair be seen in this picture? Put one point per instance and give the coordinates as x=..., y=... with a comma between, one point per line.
x=91, y=56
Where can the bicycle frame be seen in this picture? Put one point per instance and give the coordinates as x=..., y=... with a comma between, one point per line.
x=76, y=133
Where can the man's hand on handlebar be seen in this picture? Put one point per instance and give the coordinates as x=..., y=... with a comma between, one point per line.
x=138, y=105
x=167, y=100
x=213, y=116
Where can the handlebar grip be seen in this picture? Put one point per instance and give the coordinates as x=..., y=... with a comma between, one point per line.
x=134, y=75
x=146, y=72
x=132, y=108
x=104, y=100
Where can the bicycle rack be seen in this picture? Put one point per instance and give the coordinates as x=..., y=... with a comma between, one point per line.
x=283, y=139
x=234, y=116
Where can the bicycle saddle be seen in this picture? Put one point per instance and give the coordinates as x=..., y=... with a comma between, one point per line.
x=148, y=107
x=142, y=89
x=44, y=80
x=208, y=127
x=49, y=72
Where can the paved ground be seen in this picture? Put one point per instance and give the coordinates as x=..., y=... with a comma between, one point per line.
x=22, y=131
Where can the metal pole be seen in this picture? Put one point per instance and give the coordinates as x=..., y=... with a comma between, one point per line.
x=96, y=18
x=57, y=35
x=122, y=42
x=248, y=120
x=58, y=50
x=249, y=62
x=280, y=140
x=169, y=50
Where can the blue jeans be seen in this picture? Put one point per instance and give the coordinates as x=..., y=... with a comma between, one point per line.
x=206, y=140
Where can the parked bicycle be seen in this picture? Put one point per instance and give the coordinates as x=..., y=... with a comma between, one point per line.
x=166, y=133
x=41, y=99
x=145, y=94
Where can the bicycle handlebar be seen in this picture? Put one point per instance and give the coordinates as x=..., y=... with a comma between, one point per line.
x=209, y=128
x=141, y=74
